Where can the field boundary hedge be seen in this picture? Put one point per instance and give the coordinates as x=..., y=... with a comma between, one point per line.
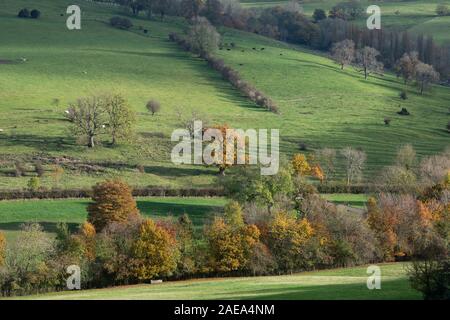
x=86, y=193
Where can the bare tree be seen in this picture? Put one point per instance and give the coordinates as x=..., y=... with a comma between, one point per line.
x=366, y=60
x=425, y=76
x=88, y=118
x=203, y=36
x=354, y=163
x=406, y=157
x=343, y=52
x=407, y=66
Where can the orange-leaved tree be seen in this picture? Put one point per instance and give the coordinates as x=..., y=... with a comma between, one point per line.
x=307, y=167
x=112, y=202
x=233, y=147
x=2, y=248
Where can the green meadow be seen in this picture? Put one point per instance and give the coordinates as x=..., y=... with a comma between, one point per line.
x=337, y=284
x=321, y=106
x=73, y=211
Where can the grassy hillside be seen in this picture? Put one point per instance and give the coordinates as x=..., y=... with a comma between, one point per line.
x=335, y=284
x=321, y=106
x=418, y=16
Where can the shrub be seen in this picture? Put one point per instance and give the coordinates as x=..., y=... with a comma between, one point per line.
x=153, y=106
x=121, y=23
x=35, y=14
x=442, y=10
x=24, y=13
x=113, y=202
x=404, y=112
x=387, y=121
x=403, y=95
x=34, y=184
x=432, y=278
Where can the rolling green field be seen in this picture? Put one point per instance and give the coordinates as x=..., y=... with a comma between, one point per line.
x=417, y=16
x=73, y=211
x=321, y=106
x=338, y=284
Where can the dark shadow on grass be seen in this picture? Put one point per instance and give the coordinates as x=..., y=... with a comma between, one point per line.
x=42, y=143
x=390, y=289
x=197, y=213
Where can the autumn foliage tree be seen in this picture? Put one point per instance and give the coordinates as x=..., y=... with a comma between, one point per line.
x=383, y=224
x=112, y=202
x=228, y=148
x=2, y=248
x=287, y=239
x=231, y=242
x=155, y=252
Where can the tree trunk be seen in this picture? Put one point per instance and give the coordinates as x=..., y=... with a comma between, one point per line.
x=91, y=143
x=222, y=171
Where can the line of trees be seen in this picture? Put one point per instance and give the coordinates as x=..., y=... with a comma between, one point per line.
x=274, y=224
x=203, y=39
x=320, y=31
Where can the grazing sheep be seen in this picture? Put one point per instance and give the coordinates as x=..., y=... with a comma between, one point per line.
x=1, y=130
x=84, y=72
x=23, y=59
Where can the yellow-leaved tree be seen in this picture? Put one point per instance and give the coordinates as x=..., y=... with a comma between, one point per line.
x=155, y=252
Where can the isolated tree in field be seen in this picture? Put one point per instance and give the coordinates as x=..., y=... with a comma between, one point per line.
x=153, y=106
x=2, y=248
x=354, y=163
x=425, y=76
x=228, y=152
x=88, y=118
x=407, y=66
x=343, y=52
x=366, y=60
x=203, y=36
x=121, y=118
x=112, y=202
x=154, y=253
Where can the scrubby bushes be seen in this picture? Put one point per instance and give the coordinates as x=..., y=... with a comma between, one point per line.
x=25, y=13
x=35, y=14
x=121, y=23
